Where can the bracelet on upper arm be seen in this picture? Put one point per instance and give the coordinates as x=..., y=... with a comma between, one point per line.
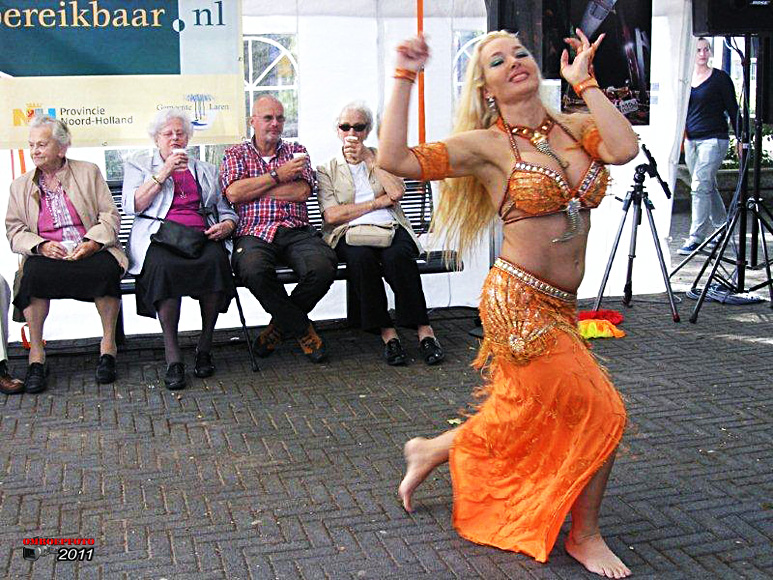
x=591, y=140
x=433, y=159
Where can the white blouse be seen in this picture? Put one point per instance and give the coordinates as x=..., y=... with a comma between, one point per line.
x=363, y=192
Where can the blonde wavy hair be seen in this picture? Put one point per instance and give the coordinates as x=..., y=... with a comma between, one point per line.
x=465, y=211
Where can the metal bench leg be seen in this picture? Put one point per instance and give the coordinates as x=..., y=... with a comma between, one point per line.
x=253, y=362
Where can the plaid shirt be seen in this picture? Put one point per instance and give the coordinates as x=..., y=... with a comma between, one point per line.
x=261, y=217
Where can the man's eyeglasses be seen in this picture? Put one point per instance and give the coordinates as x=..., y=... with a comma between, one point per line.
x=358, y=127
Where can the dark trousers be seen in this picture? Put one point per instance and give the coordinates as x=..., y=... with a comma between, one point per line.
x=365, y=268
x=255, y=260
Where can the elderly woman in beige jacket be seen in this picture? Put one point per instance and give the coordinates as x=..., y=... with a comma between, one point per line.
x=357, y=200
x=62, y=219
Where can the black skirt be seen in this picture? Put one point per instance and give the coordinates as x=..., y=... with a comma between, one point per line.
x=93, y=277
x=166, y=275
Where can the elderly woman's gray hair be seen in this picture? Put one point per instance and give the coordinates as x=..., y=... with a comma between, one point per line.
x=59, y=130
x=164, y=116
x=361, y=108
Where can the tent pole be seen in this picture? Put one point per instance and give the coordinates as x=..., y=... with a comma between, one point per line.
x=420, y=27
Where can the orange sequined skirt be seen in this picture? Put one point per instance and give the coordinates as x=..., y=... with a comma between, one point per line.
x=550, y=419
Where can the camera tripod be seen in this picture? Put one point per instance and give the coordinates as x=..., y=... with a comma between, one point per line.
x=636, y=197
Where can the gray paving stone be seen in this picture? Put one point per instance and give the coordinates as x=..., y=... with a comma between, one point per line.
x=291, y=472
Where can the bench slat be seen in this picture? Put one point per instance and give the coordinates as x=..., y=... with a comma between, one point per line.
x=416, y=204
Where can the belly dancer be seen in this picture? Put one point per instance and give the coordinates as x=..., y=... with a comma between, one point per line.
x=542, y=443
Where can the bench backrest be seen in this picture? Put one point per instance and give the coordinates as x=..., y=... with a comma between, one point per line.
x=416, y=204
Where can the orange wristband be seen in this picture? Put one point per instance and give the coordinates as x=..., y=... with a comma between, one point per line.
x=582, y=86
x=405, y=74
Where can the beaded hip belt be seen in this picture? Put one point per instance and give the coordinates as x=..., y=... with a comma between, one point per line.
x=533, y=281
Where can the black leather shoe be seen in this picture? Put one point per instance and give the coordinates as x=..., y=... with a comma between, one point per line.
x=106, y=369
x=203, y=366
x=35, y=381
x=394, y=353
x=431, y=350
x=175, y=376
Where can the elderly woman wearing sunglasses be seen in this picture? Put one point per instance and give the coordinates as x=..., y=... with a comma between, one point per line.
x=363, y=222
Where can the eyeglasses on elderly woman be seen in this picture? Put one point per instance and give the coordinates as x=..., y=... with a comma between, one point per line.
x=358, y=127
x=169, y=134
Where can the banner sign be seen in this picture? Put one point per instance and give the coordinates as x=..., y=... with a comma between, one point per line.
x=105, y=67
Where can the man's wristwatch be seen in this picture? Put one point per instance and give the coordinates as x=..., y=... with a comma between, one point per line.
x=274, y=175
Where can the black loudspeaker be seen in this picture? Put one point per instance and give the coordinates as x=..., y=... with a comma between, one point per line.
x=765, y=78
x=731, y=17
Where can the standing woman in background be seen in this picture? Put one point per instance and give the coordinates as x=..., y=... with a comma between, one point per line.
x=543, y=442
x=712, y=100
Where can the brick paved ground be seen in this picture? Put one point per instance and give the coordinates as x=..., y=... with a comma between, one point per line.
x=292, y=472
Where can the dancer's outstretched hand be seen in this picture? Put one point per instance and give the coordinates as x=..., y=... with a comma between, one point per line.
x=412, y=54
x=582, y=66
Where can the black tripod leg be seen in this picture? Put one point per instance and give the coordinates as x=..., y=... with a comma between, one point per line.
x=628, y=288
x=661, y=261
x=762, y=227
x=626, y=205
x=718, y=232
x=725, y=241
x=767, y=265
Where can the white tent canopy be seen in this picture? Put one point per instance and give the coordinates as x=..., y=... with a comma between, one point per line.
x=365, y=8
x=343, y=51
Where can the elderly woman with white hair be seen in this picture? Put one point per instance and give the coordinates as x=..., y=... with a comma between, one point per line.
x=62, y=219
x=169, y=186
x=363, y=222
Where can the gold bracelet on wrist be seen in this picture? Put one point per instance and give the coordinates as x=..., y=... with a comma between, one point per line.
x=405, y=74
x=583, y=86
x=154, y=178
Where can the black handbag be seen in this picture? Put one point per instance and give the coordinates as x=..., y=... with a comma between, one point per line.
x=183, y=240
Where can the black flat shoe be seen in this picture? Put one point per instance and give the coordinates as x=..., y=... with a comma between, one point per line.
x=203, y=366
x=394, y=353
x=431, y=351
x=106, y=369
x=175, y=376
x=35, y=381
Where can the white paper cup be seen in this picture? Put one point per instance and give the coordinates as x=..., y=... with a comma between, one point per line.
x=300, y=155
x=69, y=245
x=351, y=138
x=183, y=151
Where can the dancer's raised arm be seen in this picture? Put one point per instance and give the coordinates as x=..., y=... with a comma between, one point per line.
x=619, y=143
x=453, y=157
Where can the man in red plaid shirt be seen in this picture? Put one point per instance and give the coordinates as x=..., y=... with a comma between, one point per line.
x=268, y=181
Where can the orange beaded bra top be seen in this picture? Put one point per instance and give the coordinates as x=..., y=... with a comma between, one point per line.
x=537, y=190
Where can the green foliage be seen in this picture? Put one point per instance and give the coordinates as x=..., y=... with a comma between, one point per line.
x=731, y=159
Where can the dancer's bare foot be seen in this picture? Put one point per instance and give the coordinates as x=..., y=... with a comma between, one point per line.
x=593, y=553
x=419, y=462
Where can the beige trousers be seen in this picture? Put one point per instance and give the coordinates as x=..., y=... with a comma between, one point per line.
x=5, y=302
